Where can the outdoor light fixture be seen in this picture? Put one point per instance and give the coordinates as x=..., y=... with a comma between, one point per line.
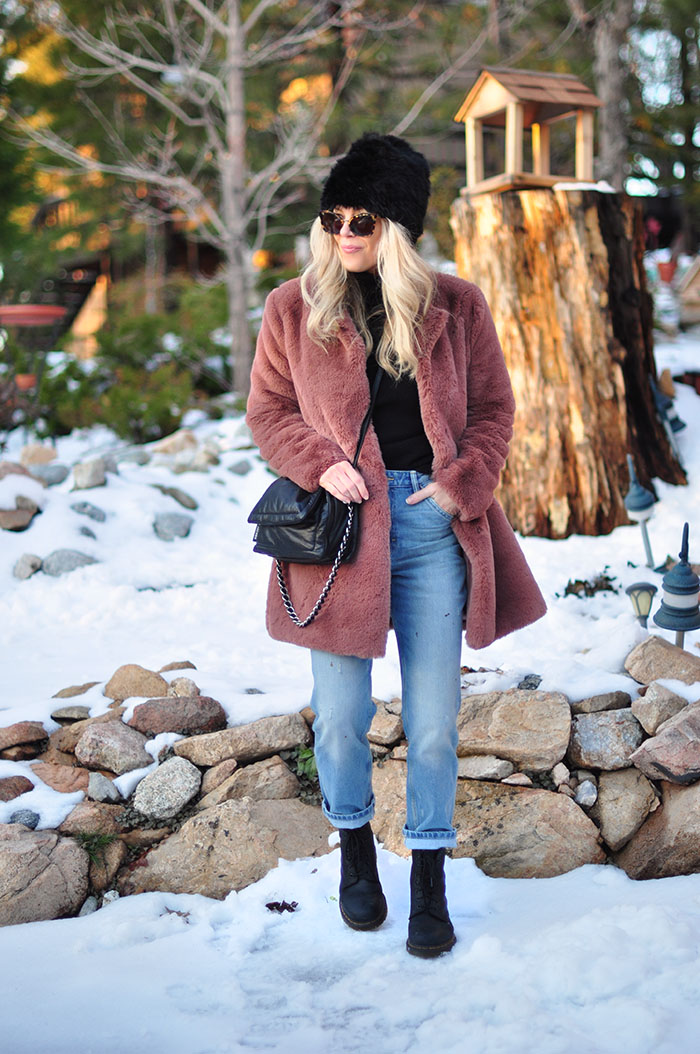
x=680, y=607
x=641, y=594
x=669, y=418
x=640, y=507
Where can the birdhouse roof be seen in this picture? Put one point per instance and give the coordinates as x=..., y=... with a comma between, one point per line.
x=545, y=96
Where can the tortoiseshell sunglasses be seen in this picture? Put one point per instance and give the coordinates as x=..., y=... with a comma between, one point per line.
x=362, y=224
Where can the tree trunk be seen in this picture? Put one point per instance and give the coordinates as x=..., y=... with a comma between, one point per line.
x=563, y=274
x=233, y=169
x=610, y=30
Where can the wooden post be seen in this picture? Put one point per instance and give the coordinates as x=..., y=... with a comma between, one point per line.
x=563, y=274
x=514, y=137
x=540, y=149
x=475, y=151
x=584, y=145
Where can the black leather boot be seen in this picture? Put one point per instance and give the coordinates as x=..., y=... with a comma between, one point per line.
x=362, y=902
x=430, y=931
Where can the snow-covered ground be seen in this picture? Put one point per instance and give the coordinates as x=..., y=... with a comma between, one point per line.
x=589, y=961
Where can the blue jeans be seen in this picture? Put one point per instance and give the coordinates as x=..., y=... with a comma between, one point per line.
x=428, y=595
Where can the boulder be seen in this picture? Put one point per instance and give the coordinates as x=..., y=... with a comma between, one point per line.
x=22, y=732
x=171, y=525
x=93, y=512
x=12, y=786
x=74, y=689
x=112, y=746
x=216, y=775
x=65, y=739
x=674, y=752
x=63, y=561
x=176, y=442
x=70, y=714
x=93, y=817
x=183, y=686
x=16, y=519
x=260, y=739
x=131, y=681
x=269, y=780
x=229, y=847
x=668, y=843
x=101, y=788
x=50, y=475
x=106, y=863
x=182, y=664
x=89, y=474
x=596, y=703
x=42, y=876
x=529, y=728
x=658, y=705
x=163, y=793
x=61, y=778
x=522, y=832
x=36, y=454
x=27, y=565
x=188, y=715
x=178, y=495
x=484, y=767
x=604, y=740
x=386, y=728
x=656, y=659
x=625, y=799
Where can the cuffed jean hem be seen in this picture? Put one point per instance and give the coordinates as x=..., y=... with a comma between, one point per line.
x=349, y=822
x=429, y=839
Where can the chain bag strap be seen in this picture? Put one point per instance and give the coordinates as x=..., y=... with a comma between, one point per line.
x=352, y=512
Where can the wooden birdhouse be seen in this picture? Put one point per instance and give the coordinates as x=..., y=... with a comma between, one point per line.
x=520, y=101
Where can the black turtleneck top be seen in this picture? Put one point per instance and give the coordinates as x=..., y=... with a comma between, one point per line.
x=396, y=415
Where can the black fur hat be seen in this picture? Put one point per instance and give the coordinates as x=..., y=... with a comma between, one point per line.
x=386, y=176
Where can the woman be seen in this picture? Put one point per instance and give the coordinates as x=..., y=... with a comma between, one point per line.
x=435, y=550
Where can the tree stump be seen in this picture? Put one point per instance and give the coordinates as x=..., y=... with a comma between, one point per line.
x=563, y=273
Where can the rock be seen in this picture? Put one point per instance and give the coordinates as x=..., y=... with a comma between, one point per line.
x=101, y=788
x=215, y=776
x=52, y=756
x=308, y=715
x=42, y=876
x=386, y=728
x=89, y=907
x=171, y=525
x=400, y=753
x=229, y=847
x=597, y=703
x=23, y=751
x=75, y=689
x=91, y=818
x=12, y=468
x=184, y=664
x=142, y=838
x=530, y=682
x=188, y=715
x=22, y=732
x=604, y=740
x=241, y=468
x=260, y=739
x=65, y=739
x=518, y=779
x=12, y=786
x=586, y=794
x=560, y=774
x=69, y=714
x=62, y=561
x=86, y=508
x=106, y=864
x=27, y=565
x=656, y=659
x=183, y=686
x=183, y=439
x=16, y=519
x=50, y=475
x=269, y=779
x=484, y=767
x=61, y=777
x=659, y=704
x=89, y=474
x=36, y=454
x=529, y=728
x=164, y=793
x=520, y=832
x=26, y=817
x=88, y=533
x=132, y=680
x=113, y=746
x=625, y=799
x=180, y=496
x=668, y=843
x=674, y=752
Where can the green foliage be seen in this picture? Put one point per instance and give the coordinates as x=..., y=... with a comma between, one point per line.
x=306, y=763
x=94, y=843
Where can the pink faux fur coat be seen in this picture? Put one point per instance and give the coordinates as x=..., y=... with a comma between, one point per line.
x=305, y=410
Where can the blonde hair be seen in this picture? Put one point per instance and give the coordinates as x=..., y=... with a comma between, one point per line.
x=408, y=284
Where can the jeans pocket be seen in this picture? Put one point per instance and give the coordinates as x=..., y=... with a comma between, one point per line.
x=438, y=508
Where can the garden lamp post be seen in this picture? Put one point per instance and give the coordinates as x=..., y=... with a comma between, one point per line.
x=641, y=594
x=680, y=607
x=640, y=507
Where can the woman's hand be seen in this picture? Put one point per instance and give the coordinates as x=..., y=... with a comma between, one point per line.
x=438, y=494
x=344, y=482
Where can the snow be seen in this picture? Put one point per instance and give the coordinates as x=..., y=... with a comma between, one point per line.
x=587, y=961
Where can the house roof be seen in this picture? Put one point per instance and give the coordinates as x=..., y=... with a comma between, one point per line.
x=546, y=95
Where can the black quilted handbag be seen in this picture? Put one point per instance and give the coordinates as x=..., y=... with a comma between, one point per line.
x=298, y=526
